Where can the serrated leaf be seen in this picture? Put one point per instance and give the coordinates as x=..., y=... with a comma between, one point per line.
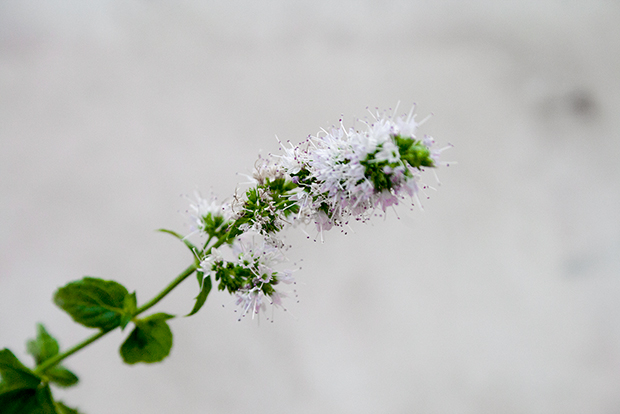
x=195, y=251
x=61, y=408
x=202, y=296
x=15, y=375
x=150, y=341
x=61, y=376
x=93, y=302
x=43, y=347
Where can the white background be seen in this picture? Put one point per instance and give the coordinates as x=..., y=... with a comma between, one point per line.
x=501, y=297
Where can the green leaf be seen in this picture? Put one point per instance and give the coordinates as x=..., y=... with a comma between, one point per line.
x=130, y=303
x=61, y=408
x=61, y=376
x=150, y=341
x=43, y=347
x=202, y=296
x=21, y=391
x=15, y=375
x=130, y=306
x=195, y=251
x=93, y=302
x=28, y=401
x=19, y=401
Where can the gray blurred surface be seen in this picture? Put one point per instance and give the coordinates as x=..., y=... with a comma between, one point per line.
x=501, y=297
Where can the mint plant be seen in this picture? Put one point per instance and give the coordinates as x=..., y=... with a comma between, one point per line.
x=327, y=181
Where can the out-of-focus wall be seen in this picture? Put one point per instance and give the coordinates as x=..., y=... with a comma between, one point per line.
x=500, y=297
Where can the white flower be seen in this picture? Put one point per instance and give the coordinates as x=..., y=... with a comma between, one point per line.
x=293, y=159
x=206, y=265
x=264, y=169
x=346, y=173
x=260, y=255
x=261, y=258
x=386, y=199
x=407, y=126
x=251, y=300
x=332, y=178
x=203, y=208
x=388, y=152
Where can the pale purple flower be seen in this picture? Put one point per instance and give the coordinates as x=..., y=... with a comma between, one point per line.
x=262, y=258
x=335, y=182
x=203, y=207
x=206, y=265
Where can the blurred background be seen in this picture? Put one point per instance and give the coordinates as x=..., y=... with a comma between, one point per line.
x=502, y=296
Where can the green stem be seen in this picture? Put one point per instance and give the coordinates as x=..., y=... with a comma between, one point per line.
x=217, y=244
x=207, y=243
x=190, y=269
x=59, y=357
x=56, y=359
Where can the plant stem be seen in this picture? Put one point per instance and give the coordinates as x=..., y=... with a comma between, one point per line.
x=190, y=269
x=207, y=243
x=59, y=357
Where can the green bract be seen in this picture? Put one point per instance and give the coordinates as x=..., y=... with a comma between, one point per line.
x=264, y=207
x=414, y=152
x=214, y=225
x=374, y=171
x=231, y=276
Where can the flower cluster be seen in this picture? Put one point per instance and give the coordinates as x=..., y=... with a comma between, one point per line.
x=209, y=216
x=344, y=173
x=252, y=276
x=327, y=180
